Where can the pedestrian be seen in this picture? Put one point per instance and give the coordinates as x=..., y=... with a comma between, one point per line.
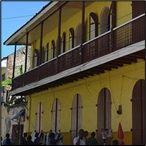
x=8, y=140
x=52, y=139
x=92, y=140
x=86, y=135
x=59, y=139
x=42, y=138
x=48, y=138
x=115, y=142
x=24, y=139
x=29, y=140
x=33, y=135
x=1, y=140
x=37, y=140
x=80, y=139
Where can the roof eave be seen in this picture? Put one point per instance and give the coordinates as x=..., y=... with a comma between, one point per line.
x=11, y=39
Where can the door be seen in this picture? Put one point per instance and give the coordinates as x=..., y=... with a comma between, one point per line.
x=138, y=134
x=104, y=112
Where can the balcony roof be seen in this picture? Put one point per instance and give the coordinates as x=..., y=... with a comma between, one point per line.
x=19, y=37
x=34, y=21
x=114, y=60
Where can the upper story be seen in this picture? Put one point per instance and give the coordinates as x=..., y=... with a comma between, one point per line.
x=69, y=40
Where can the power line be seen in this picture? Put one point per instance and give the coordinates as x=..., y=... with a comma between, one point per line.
x=17, y=17
x=21, y=16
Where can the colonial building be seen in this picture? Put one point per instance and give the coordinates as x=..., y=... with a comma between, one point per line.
x=87, y=69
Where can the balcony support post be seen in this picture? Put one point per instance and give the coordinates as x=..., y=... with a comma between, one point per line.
x=14, y=61
x=82, y=31
x=41, y=40
x=59, y=39
x=26, y=52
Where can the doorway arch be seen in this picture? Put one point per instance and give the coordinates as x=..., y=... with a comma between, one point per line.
x=138, y=113
x=103, y=112
x=76, y=115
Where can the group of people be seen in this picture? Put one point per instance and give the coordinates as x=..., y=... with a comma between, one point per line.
x=36, y=138
x=52, y=138
x=7, y=140
x=82, y=139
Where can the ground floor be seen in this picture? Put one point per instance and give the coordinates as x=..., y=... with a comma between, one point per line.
x=93, y=103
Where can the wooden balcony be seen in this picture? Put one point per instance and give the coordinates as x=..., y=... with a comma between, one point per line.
x=125, y=35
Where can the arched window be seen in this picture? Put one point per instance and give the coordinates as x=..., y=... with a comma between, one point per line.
x=53, y=49
x=71, y=38
x=56, y=116
x=39, y=117
x=76, y=115
x=79, y=34
x=105, y=20
x=36, y=58
x=105, y=40
x=63, y=41
x=104, y=112
x=93, y=25
x=46, y=53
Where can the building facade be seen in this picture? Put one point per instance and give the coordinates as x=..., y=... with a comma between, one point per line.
x=87, y=69
x=12, y=105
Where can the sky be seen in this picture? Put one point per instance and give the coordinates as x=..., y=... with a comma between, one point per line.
x=14, y=15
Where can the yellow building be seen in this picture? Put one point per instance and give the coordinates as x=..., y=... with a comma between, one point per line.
x=87, y=69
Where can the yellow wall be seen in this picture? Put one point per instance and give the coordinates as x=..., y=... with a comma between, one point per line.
x=120, y=82
x=124, y=10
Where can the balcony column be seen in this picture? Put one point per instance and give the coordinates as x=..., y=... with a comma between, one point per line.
x=144, y=140
x=59, y=39
x=14, y=61
x=82, y=31
x=26, y=52
x=113, y=24
x=41, y=40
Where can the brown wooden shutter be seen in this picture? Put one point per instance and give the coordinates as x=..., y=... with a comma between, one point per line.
x=56, y=116
x=104, y=112
x=39, y=116
x=138, y=113
x=79, y=35
x=76, y=115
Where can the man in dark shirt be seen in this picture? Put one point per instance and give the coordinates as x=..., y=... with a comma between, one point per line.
x=92, y=140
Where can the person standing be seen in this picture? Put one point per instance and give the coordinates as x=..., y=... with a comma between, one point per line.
x=80, y=139
x=92, y=140
x=86, y=135
x=8, y=140
x=23, y=139
x=29, y=140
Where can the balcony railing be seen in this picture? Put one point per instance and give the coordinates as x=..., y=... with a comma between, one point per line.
x=121, y=36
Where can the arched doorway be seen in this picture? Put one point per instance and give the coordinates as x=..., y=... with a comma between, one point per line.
x=138, y=113
x=104, y=112
x=39, y=117
x=76, y=115
x=56, y=116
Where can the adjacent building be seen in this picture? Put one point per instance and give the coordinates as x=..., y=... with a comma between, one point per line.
x=87, y=69
x=12, y=106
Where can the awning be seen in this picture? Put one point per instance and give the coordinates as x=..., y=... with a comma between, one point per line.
x=18, y=114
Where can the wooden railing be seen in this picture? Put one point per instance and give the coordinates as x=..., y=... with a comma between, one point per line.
x=121, y=36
